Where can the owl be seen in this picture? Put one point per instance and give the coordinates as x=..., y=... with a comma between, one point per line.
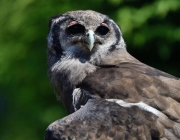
x=108, y=93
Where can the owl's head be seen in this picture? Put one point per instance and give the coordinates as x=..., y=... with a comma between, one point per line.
x=86, y=35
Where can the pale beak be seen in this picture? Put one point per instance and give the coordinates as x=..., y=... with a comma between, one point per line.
x=90, y=39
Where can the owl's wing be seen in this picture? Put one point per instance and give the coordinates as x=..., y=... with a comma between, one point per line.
x=136, y=82
x=106, y=120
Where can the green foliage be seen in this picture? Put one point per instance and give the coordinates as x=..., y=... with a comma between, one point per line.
x=27, y=101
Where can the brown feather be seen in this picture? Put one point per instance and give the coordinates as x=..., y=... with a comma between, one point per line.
x=104, y=120
x=110, y=122
x=134, y=82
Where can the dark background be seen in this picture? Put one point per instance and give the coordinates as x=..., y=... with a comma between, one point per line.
x=28, y=104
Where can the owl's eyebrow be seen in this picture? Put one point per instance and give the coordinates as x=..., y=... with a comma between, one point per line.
x=61, y=19
x=71, y=18
x=58, y=21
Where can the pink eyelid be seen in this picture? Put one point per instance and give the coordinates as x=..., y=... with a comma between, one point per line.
x=104, y=24
x=73, y=22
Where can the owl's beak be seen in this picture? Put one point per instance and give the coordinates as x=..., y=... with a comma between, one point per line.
x=90, y=39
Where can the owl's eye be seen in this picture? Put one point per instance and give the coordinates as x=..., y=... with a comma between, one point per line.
x=102, y=30
x=76, y=29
